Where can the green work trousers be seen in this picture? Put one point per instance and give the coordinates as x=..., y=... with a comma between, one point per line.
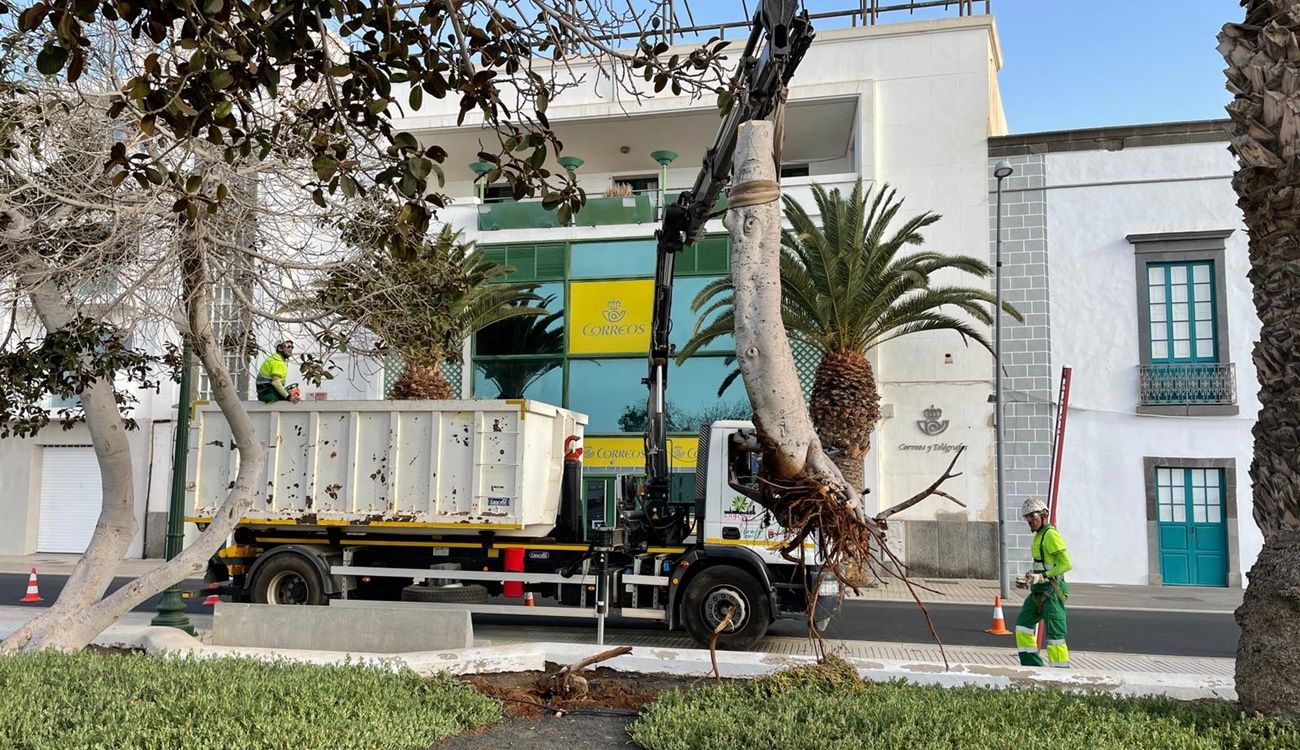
x=1047, y=605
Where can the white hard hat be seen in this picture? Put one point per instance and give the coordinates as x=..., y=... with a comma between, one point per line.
x=1033, y=505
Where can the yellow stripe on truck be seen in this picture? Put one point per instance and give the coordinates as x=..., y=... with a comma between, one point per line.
x=752, y=543
x=371, y=524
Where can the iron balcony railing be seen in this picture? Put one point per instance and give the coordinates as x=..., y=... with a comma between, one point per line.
x=1188, y=383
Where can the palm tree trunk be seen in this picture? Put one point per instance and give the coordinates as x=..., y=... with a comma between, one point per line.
x=1265, y=137
x=845, y=406
x=421, y=383
x=1269, y=616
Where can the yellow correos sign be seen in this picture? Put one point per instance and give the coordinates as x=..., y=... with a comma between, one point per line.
x=629, y=452
x=610, y=317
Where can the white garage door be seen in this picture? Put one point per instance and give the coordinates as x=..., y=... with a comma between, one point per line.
x=70, y=498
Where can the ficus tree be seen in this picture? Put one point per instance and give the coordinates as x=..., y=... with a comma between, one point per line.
x=178, y=148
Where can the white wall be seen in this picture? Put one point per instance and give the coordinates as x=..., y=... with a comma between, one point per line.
x=1094, y=200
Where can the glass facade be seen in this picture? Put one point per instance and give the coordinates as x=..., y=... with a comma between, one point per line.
x=589, y=352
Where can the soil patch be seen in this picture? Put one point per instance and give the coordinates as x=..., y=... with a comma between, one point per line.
x=608, y=691
x=538, y=720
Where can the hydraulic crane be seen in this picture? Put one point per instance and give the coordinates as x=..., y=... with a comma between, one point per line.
x=778, y=38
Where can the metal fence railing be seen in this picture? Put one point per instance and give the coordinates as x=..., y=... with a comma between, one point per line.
x=1188, y=383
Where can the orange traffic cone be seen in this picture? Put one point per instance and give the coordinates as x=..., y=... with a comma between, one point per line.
x=999, y=622
x=33, y=593
x=528, y=600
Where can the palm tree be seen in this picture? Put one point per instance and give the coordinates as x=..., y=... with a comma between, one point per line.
x=421, y=299
x=1261, y=55
x=846, y=288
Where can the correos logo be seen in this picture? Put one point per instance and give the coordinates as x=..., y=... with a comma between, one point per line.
x=614, y=313
x=600, y=453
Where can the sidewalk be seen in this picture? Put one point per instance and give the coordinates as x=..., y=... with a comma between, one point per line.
x=988, y=656
x=56, y=564
x=504, y=649
x=1082, y=595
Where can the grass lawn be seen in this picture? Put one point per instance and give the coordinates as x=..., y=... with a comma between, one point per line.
x=826, y=707
x=136, y=702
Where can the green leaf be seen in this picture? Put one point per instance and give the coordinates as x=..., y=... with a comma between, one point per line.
x=325, y=166
x=420, y=167
x=417, y=97
x=198, y=60
x=348, y=186
x=51, y=59
x=193, y=184
x=221, y=79
x=377, y=106
x=222, y=110
x=212, y=7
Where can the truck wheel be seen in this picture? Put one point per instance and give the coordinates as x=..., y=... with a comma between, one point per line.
x=471, y=594
x=712, y=593
x=288, y=579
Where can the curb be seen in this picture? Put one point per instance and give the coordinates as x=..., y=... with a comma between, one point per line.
x=685, y=662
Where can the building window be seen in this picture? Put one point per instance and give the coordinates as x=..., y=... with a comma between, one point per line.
x=498, y=193
x=1181, y=302
x=230, y=324
x=1184, y=367
x=640, y=185
x=794, y=170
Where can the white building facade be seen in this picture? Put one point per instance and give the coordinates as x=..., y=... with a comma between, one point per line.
x=1126, y=249
x=911, y=105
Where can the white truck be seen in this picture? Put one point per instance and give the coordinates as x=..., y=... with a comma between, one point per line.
x=476, y=505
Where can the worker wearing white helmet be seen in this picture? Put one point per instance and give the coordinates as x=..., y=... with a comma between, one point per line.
x=1047, y=590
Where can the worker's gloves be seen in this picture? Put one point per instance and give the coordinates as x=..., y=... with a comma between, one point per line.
x=1030, y=579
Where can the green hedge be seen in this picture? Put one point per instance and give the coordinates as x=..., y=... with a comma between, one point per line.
x=828, y=707
x=136, y=702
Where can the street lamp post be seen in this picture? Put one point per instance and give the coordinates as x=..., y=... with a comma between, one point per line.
x=1001, y=171
x=171, y=610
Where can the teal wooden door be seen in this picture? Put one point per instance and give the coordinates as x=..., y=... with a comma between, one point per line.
x=1192, y=529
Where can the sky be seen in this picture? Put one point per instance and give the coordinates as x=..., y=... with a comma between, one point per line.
x=1087, y=63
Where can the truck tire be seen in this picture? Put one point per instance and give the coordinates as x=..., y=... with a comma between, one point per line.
x=711, y=593
x=288, y=579
x=470, y=594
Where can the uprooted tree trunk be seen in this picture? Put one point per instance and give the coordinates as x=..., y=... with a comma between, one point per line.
x=800, y=484
x=81, y=611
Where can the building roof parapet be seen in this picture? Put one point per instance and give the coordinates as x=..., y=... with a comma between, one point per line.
x=1109, y=138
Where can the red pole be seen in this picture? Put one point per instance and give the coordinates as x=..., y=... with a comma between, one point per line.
x=1058, y=446
x=1058, y=449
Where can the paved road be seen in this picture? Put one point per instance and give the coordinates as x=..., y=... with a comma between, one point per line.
x=13, y=586
x=1116, y=631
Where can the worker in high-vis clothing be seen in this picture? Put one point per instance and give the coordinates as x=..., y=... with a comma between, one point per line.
x=273, y=373
x=1047, y=591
